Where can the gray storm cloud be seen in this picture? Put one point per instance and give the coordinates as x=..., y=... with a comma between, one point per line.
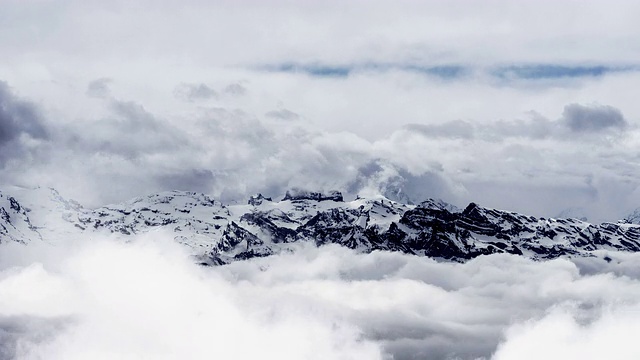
x=20, y=121
x=18, y=117
x=581, y=118
x=576, y=118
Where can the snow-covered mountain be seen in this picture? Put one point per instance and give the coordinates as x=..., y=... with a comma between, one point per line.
x=15, y=224
x=218, y=233
x=633, y=218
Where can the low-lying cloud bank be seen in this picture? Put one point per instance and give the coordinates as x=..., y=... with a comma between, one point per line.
x=108, y=300
x=146, y=299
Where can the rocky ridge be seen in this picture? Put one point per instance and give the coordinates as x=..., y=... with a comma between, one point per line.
x=218, y=233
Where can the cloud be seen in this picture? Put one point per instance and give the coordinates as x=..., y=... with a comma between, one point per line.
x=200, y=180
x=453, y=129
x=465, y=85
x=528, y=164
x=194, y=92
x=415, y=306
x=581, y=118
x=129, y=131
x=155, y=303
x=21, y=124
x=483, y=33
x=231, y=153
x=235, y=89
x=380, y=177
x=99, y=88
x=282, y=114
x=70, y=302
x=576, y=118
x=533, y=126
x=563, y=334
x=18, y=117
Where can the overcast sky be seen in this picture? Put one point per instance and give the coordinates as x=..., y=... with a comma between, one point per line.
x=526, y=106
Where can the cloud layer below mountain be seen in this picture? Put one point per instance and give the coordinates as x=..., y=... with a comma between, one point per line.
x=104, y=299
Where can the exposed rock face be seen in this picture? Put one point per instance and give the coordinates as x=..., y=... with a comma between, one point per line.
x=257, y=200
x=219, y=234
x=298, y=194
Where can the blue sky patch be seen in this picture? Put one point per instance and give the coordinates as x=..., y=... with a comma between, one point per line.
x=313, y=70
x=545, y=71
x=455, y=71
x=318, y=70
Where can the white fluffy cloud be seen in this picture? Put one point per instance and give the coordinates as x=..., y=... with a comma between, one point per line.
x=154, y=304
x=563, y=334
x=103, y=299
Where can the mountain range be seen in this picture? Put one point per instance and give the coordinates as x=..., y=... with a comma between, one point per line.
x=219, y=233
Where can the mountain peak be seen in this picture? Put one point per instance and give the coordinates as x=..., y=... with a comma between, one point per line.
x=439, y=204
x=297, y=194
x=256, y=200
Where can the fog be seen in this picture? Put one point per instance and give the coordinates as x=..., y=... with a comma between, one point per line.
x=104, y=299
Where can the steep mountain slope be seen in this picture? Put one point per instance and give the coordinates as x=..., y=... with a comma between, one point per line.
x=219, y=234
x=15, y=224
x=196, y=219
x=50, y=215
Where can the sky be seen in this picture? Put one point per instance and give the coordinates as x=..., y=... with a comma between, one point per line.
x=519, y=105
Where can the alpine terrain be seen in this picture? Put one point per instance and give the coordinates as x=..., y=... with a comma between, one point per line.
x=220, y=233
